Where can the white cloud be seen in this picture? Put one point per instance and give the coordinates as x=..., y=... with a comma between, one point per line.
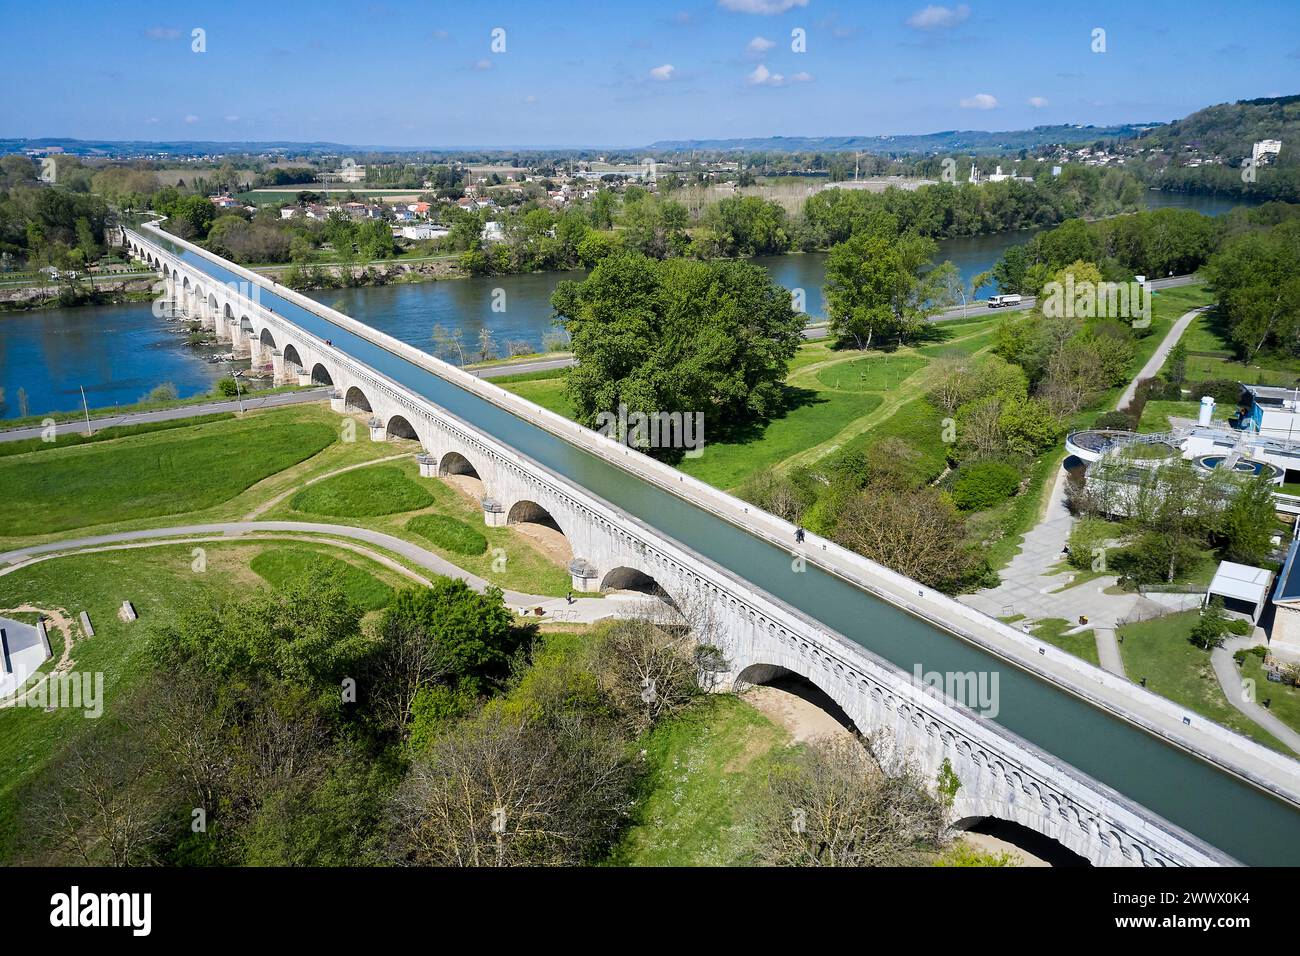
x=191, y=119
x=232, y=118
x=162, y=33
x=801, y=78
x=530, y=98
x=661, y=73
x=980, y=101
x=762, y=76
x=1037, y=102
x=152, y=119
x=765, y=8
x=935, y=17
x=483, y=65
x=760, y=45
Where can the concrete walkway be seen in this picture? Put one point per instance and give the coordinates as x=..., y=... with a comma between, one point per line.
x=78, y=426
x=582, y=610
x=1225, y=669
x=1157, y=360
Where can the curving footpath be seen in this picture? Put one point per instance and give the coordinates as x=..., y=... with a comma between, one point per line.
x=581, y=610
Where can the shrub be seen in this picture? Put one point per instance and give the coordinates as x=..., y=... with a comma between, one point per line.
x=1087, y=535
x=1113, y=420
x=448, y=533
x=1224, y=391
x=1239, y=627
x=227, y=386
x=984, y=484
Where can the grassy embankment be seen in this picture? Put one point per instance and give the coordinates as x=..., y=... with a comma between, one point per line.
x=157, y=580
x=1159, y=650
x=260, y=465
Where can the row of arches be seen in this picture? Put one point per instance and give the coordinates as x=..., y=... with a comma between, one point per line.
x=525, y=512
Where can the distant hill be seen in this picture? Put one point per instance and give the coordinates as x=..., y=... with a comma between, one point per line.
x=977, y=142
x=1229, y=129
x=110, y=148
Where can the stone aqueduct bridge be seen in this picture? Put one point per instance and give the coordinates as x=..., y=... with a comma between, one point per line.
x=1002, y=776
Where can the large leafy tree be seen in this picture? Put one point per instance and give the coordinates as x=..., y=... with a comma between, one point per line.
x=1257, y=278
x=678, y=336
x=880, y=288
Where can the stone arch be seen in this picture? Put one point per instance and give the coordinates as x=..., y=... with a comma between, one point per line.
x=245, y=324
x=355, y=401
x=541, y=529
x=266, y=338
x=320, y=375
x=797, y=685
x=454, y=463
x=624, y=578
x=399, y=427
x=291, y=356
x=1001, y=834
x=524, y=511
x=214, y=309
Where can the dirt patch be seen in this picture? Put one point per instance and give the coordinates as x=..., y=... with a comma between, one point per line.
x=987, y=843
x=802, y=719
x=548, y=542
x=466, y=485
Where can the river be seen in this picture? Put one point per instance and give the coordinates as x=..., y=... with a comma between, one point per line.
x=118, y=353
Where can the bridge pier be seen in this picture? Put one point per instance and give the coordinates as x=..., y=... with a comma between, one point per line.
x=494, y=515
x=304, y=376
x=428, y=465
x=338, y=402
x=585, y=576
x=377, y=430
x=277, y=367
x=255, y=350
x=222, y=325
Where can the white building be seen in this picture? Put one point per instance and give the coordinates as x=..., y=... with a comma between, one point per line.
x=422, y=230
x=23, y=649
x=1262, y=151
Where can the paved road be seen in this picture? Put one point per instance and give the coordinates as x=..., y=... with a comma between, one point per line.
x=168, y=414
x=584, y=610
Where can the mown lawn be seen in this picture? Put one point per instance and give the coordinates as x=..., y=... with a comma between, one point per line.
x=171, y=472
x=1084, y=644
x=1160, y=651
x=706, y=769
x=1283, y=699
x=66, y=438
x=448, y=533
x=281, y=565
x=874, y=373
x=365, y=492
x=508, y=561
x=816, y=417
x=156, y=581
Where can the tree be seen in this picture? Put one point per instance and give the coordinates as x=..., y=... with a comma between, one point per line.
x=497, y=790
x=879, y=288
x=648, y=672
x=913, y=531
x=1248, y=522
x=678, y=336
x=446, y=633
x=828, y=804
x=1211, y=628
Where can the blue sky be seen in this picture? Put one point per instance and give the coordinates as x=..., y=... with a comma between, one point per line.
x=620, y=73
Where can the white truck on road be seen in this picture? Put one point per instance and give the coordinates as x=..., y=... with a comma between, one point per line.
x=1002, y=301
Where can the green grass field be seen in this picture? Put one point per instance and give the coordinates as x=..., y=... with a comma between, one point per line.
x=66, y=439
x=875, y=373
x=1283, y=699
x=817, y=417
x=1160, y=651
x=705, y=769
x=366, y=492
x=448, y=533
x=164, y=473
x=279, y=566
x=1084, y=644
